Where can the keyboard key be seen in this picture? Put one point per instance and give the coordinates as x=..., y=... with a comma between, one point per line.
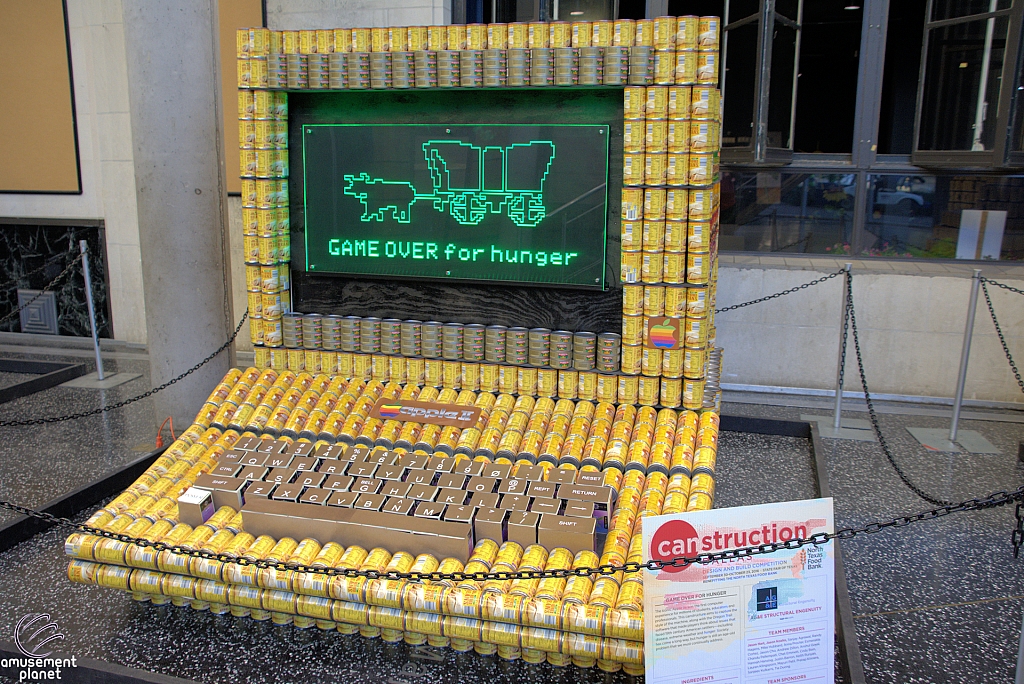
x=522, y=527
x=478, y=500
x=456, y=497
x=398, y=505
x=280, y=475
x=422, y=492
x=452, y=481
x=310, y=479
x=489, y=523
x=560, y=476
x=420, y=477
x=514, y=502
x=356, y=453
x=441, y=465
x=233, y=456
x=278, y=461
x=253, y=473
x=247, y=443
x=337, y=499
x=513, y=486
x=463, y=514
x=399, y=489
x=384, y=458
x=371, y=502
x=331, y=466
x=276, y=446
x=468, y=467
x=226, y=470
x=533, y=473
x=544, y=489
x=590, y=479
x=496, y=470
x=546, y=506
x=299, y=449
x=579, y=509
x=315, y=495
x=253, y=458
x=482, y=485
x=413, y=461
x=428, y=509
x=227, y=491
x=362, y=469
x=287, y=492
x=307, y=463
x=259, y=489
x=575, y=534
x=390, y=472
x=365, y=485
x=331, y=451
x=339, y=483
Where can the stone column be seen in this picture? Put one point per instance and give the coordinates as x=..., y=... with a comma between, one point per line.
x=173, y=84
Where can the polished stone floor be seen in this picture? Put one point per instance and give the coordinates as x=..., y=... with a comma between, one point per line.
x=938, y=601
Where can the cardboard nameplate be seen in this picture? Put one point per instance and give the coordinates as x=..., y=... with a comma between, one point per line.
x=664, y=332
x=426, y=412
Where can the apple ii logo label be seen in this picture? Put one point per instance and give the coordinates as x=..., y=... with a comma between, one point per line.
x=663, y=332
x=455, y=415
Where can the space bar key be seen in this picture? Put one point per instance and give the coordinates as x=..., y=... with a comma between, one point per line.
x=347, y=526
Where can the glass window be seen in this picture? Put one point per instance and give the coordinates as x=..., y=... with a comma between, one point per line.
x=946, y=217
x=903, y=37
x=776, y=211
x=963, y=68
x=781, y=94
x=740, y=79
x=951, y=9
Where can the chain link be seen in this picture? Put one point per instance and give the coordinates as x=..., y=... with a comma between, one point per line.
x=14, y=281
x=47, y=288
x=783, y=293
x=1017, y=538
x=132, y=400
x=999, y=330
x=994, y=500
x=846, y=332
x=852, y=316
x=1002, y=285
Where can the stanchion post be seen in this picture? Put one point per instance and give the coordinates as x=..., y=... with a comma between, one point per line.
x=837, y=421
x=92, y=311
x=965, y=353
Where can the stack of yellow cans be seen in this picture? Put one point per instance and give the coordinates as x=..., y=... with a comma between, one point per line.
x=656, y=461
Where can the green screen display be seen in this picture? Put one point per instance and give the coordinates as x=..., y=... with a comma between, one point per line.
x=487, y=202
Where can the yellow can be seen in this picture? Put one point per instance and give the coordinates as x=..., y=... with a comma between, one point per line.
x=633, y=136
x=677, y=170
x=697, y=266
x=547, y=382
x=678, y=137
x=655, y=139
x=653, y=201
x=582, y=34
x=654, y=300
x=587, y=386
x=664, y=37
x=417, y=38
x=702, y=136
x=632, y=329
x=653, y=235
x=676, y=204
x=656, y=103
x=685, y=68
x=631, y=235
x=693, y=393
x=704, y=103
x=437, y=38
x=696, y=333
x=699, y=237
x=671, y=392
x=664, y=68
x=701, y=169
x=675, y=235
x=601, y=33
x=624, y=33
x=559, y=34
x=517, y=36
x=526, y=381
x=398, y=39
x=537, y=34
x=632, y=359
x=634, y=102
x=687, y=28
x=679, y=103
x=654, y=169
x=433, y=372
x=342, y=39
x=476, y=36
x=674, y=268
x=651, y=267
x=650, y=362
x=607, y=388
x=708, y=33
x=632, y=300
x=379, y=40
x=644, y=32
x=633, y=169
x=451, y=374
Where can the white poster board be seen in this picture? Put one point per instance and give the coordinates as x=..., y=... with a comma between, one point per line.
x=756, y=620
x=981, y=234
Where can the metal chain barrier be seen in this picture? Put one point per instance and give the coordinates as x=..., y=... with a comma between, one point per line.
x=132, y=400
x=999, y=330
x=14, y=281
x=783, y=293
x=852, y=317
x=49, y=286
x=993, y=500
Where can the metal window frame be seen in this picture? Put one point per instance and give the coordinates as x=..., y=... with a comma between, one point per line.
x=998, y=156
x=758, y=152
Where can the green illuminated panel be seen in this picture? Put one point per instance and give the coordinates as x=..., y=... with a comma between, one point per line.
x=517, y=203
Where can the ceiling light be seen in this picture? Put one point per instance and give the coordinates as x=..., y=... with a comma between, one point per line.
x=852, y=7
x=576, y=13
